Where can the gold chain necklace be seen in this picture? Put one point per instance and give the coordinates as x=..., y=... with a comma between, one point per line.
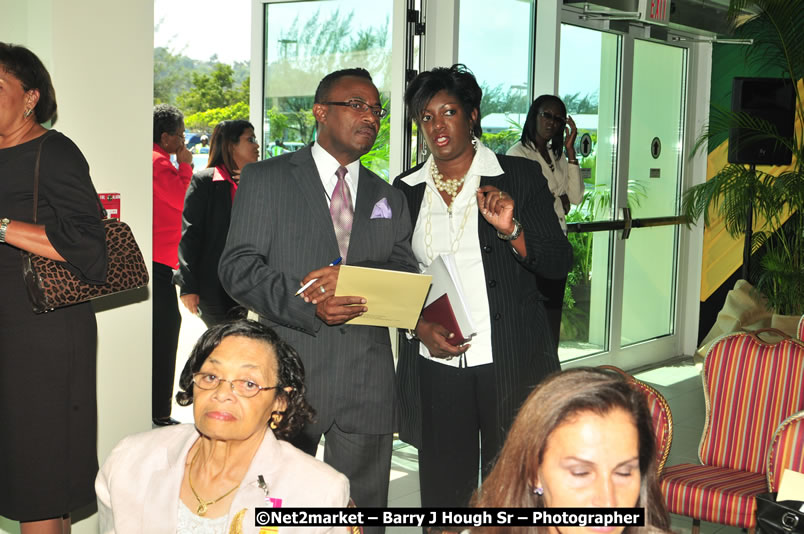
x=451, y=187
x=202, y=504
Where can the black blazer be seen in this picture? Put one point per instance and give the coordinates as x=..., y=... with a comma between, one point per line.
x=281, y=230
x=205, y=223
x=522, y=347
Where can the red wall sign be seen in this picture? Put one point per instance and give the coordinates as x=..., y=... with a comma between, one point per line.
x=111, y=203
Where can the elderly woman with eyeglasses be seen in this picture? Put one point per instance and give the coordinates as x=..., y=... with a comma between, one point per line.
x=547, y=134
x=247, y=390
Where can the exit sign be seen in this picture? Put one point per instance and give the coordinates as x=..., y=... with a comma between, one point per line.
x=656, y=11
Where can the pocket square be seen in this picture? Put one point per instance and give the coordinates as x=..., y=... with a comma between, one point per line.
x=381, y=209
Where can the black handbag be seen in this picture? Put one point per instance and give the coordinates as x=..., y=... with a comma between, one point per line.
x=51, y=285
x=774, y=517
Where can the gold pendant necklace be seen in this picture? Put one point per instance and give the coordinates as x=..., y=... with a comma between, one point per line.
x=202, y=504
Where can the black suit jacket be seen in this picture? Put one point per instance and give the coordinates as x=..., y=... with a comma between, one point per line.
x=281, y=230
x=522, y=347
x=205, y=223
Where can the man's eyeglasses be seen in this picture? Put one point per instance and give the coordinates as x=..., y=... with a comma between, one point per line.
x=361, y=107
x=555, y=118
x=240, y=387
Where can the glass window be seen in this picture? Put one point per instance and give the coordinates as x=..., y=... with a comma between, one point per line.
x=500, y=64
x=304, y=41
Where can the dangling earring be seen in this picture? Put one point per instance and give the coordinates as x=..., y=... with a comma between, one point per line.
x=475, y=140
x=275, y=420
x=27, y=113
x=473, y=136
x=424, y=150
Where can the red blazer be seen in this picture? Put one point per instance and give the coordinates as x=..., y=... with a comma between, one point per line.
x=170, y=186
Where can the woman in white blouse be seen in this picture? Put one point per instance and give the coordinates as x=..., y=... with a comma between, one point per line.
x=490, y=213
x=547, y=133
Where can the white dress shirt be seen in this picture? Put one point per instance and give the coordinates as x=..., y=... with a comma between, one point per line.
x=327, y=165
x=457, y=233
x=563, y=179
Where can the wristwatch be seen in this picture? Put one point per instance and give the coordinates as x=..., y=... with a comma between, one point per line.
x=513, y=235
x=3, y=227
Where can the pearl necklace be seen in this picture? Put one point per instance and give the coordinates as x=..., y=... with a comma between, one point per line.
x=450, y=187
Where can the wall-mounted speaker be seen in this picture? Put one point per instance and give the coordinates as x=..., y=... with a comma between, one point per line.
x=770, y=99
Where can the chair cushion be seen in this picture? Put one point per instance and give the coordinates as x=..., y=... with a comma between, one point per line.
x=715, y=494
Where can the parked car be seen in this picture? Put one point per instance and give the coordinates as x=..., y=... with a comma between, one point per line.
x=191, y=139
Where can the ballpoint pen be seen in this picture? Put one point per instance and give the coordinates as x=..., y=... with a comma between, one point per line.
x=335, y=262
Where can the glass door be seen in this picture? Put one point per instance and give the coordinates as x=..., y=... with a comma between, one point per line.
x=654, y=178
x=589, y=85
x=627, y=96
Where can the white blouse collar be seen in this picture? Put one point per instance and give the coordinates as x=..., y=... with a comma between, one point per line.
x=485, y=163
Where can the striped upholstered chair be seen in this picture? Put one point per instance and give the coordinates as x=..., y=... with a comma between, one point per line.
x=787, y=449
x=751, y=388
x=659, y=410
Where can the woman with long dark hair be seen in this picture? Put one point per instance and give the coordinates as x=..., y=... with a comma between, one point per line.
x=583, y=439
x=205, y=220
x=547, y=134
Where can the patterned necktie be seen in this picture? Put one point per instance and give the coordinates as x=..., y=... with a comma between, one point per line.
x=342, y=212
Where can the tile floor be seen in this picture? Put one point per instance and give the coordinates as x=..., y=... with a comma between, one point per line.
x=678, y=381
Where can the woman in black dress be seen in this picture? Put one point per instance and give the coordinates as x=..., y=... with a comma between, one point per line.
x=48, y=455
x=205, y=220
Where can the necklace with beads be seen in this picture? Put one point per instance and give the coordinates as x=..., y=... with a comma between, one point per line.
x=450, y=187
x=202, y=504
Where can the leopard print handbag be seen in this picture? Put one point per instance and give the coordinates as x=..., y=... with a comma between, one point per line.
x=51, y=285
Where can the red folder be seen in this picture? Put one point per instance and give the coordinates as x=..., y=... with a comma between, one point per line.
x=440, y=311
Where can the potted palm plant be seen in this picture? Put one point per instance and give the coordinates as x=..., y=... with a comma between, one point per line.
x=764, y=208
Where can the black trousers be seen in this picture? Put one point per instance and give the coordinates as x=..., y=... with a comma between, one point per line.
x=459, y=432
x=553, y=291
x=365, y=459
x=166, y=325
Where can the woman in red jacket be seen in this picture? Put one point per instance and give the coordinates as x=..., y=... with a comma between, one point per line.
x=170, y=185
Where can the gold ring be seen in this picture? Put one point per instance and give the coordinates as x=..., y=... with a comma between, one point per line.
x=501, y=194
x=322, y=289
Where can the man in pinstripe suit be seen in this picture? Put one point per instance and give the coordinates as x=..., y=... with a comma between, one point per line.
x=282, y=235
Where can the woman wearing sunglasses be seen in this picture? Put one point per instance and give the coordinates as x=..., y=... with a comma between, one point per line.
x=205, y=220
x=548, y=131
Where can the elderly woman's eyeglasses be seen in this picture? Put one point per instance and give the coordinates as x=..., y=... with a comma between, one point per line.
x=241, y=387
x=361, y=107
x=555, y=118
